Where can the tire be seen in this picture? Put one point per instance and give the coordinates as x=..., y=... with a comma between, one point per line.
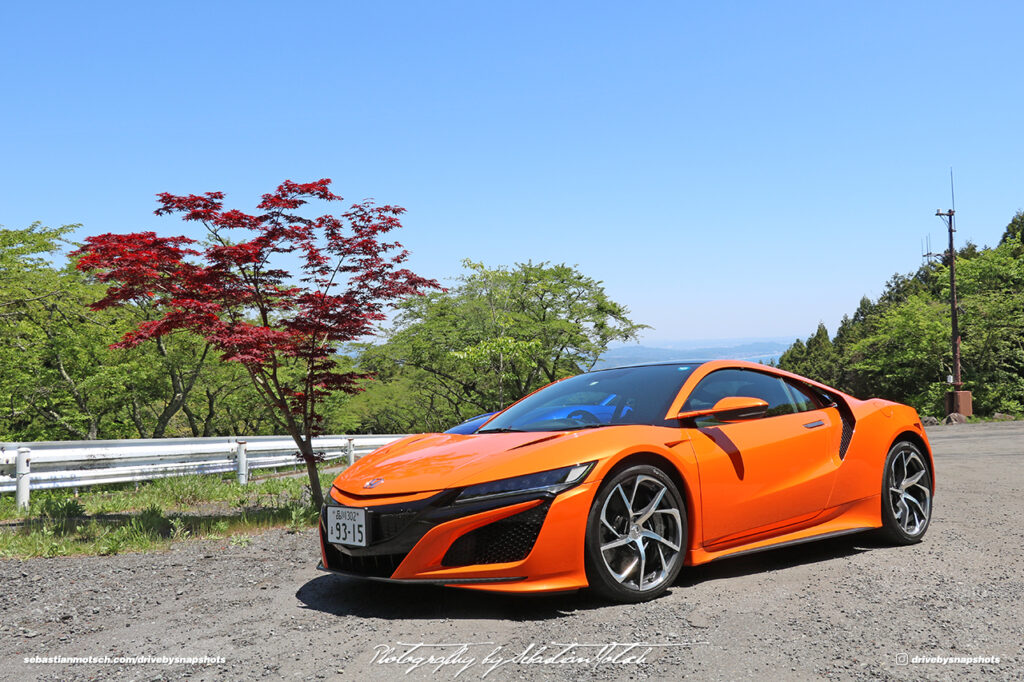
x=636, y=535
x=906, y=494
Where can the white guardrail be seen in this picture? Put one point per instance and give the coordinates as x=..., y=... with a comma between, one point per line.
x=68, y=464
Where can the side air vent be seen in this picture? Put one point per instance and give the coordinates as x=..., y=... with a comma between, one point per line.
x=848, y=423
x=845, y=414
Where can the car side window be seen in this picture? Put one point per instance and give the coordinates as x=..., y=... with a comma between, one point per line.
x=739, y=382
x=803, y=399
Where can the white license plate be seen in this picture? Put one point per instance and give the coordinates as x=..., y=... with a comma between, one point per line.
x=347, y=526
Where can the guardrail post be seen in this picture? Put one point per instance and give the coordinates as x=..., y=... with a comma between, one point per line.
x=242, y=463
x=351, y=451
x=22, y=472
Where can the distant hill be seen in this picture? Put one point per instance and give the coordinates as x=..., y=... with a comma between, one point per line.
x=755, y=351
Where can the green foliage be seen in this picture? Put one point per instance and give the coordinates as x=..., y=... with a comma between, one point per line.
x=241, y=541
x=499, y=334
x=898, y=347
x=991, y=292
x=1015, y=229
x=61, y=507
x=493, y=338
x=815, y=358
x=908, y=346
x=179, y=531
x=59, y=378
x=151, y=521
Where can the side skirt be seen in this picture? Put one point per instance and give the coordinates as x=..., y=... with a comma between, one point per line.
x=791, y=543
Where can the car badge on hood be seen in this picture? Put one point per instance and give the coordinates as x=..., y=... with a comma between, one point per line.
x=374, y=483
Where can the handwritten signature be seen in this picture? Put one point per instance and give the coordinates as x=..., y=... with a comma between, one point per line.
x=488, y=656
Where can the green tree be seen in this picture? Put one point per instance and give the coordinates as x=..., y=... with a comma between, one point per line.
x=54, y=361
x=499, y=334
x=59, y=378
x=1014, y=229
x=815, y=359
x=907, y=356
x=991, y=293
x=898, y=347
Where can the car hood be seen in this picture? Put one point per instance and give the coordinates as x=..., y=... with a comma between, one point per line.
x=436, y=461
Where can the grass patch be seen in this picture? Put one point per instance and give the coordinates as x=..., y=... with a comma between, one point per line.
x=110, y=519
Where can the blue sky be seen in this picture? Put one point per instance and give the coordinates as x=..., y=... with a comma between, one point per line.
x=727, y=169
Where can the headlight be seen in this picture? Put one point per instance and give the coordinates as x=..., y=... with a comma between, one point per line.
x=553, y=481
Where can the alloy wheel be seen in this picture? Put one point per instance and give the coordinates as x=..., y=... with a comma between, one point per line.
x=641, y=533
x=910, y=495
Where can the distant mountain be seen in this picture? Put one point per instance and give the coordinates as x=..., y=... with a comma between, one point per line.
x=755, y=351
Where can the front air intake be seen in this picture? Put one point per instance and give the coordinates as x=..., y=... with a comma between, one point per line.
x=510, y=539
x=368, y=566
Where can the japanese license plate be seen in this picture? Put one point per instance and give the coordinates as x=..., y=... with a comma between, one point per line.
x=347, y=526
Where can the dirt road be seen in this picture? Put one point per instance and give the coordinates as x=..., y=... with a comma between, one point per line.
x=847, y=608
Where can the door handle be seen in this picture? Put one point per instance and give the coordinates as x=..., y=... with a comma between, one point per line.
x=814, y=425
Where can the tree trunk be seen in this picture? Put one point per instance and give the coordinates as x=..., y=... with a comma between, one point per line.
x=193, y=423
x=273, y=395
x=314, y=474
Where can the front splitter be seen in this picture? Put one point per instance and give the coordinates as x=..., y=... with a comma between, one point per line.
x=422, y=581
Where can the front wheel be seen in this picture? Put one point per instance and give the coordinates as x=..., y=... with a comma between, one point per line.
x=636, y=535
x=906, y=494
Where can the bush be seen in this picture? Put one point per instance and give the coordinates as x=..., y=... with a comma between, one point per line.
x=61, y=508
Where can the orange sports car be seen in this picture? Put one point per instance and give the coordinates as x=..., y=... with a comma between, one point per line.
x=616, y=479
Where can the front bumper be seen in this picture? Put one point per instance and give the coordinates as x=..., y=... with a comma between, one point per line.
x=516, y=544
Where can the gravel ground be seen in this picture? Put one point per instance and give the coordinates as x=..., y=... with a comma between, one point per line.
x=847, y=608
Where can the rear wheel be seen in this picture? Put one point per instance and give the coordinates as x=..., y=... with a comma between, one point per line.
x=636, y=535
x=906, y=494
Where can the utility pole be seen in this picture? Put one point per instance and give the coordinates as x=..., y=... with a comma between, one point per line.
x=948, y=219
x=957, y=400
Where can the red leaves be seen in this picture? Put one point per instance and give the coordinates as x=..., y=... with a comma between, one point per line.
x=246, y=253
x=137, y=265
x=193, y=206
x=250, y=344
x=236, y=295
x=288, y=193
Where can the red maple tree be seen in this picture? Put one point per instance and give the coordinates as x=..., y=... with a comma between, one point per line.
x=236, y=293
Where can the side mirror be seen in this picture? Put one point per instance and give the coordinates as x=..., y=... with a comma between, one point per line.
x=731, y=409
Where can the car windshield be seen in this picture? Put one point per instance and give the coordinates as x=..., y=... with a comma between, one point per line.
x=628, y=395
